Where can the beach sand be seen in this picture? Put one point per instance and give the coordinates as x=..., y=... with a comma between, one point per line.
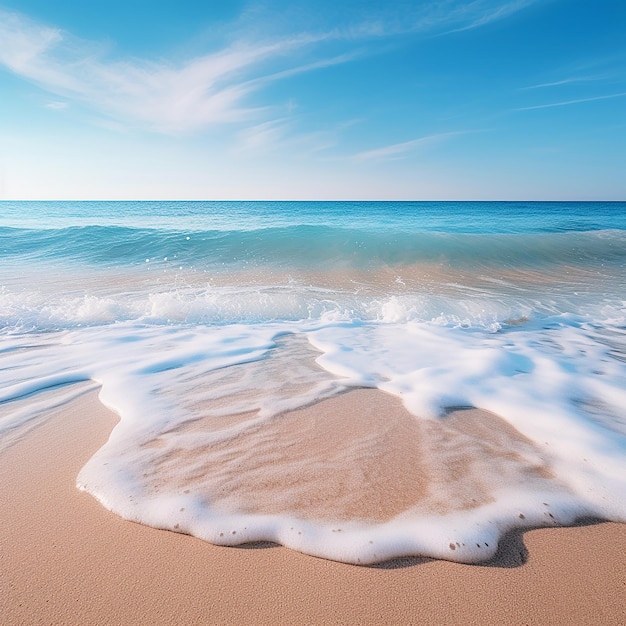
x=65, y=559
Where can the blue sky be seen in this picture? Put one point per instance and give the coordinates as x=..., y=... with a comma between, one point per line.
x=434, y=99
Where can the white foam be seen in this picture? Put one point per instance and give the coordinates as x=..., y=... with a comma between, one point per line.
x=558, y=382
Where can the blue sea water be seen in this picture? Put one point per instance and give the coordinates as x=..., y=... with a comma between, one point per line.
x=187, y=312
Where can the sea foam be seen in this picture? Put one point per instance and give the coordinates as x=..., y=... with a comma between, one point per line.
x=231, y=382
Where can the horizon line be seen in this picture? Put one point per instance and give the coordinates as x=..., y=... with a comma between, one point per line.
x=304, y=200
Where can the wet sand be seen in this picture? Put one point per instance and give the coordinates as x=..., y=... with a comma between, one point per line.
x=66, y=559
x=357, y=456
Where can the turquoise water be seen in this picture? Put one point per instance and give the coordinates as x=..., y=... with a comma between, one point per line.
x=185, y=312
x=364, y=234
x=433, y=249
x=464, y=217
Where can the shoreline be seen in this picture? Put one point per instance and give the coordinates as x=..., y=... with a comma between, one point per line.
x=66, y=559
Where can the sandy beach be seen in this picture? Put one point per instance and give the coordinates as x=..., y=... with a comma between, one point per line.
x=66, y=559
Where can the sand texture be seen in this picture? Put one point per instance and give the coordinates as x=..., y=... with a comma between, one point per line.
x=64, y=559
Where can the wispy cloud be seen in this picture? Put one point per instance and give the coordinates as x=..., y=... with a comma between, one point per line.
x=160, y=95
x=215, y=88
x=566, y=81
x=470, y=15
x=279, y=134
x=365, y=20
x=56, y=105
x=401, y=150
x=568, y=102
x=263, y=136
x=434, y=17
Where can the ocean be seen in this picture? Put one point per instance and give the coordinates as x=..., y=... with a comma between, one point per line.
x=222, y=333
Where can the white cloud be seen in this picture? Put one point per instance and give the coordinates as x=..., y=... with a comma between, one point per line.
x=24, y=42
x=568, y=102
x=479, y=13
x=263, y=136
x=400, y=150
x=440, y=16
x=56, y=105
x=277, y=135
x=213, y=88
x=163, y=96
x=565, y=81
x=397, y=17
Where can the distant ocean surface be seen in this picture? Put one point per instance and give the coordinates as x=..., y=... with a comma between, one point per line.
x=205, y=322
